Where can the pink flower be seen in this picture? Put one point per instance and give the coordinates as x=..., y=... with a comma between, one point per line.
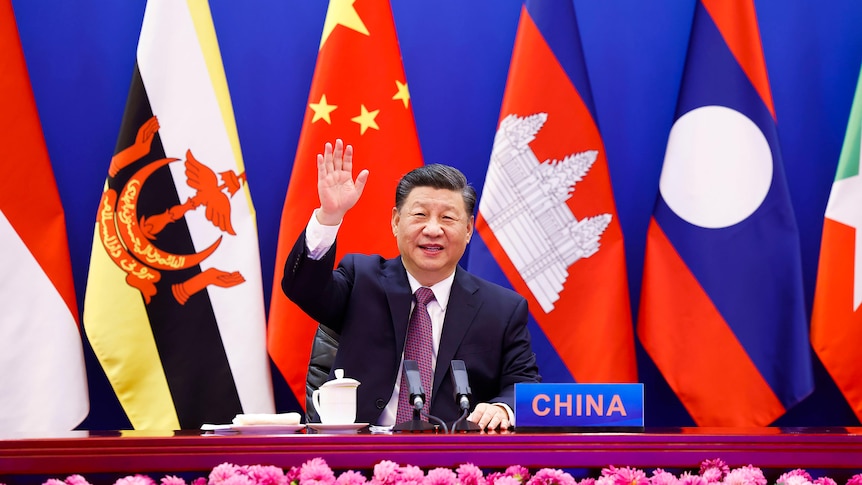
x=624, y=476
x=440, y=476
x=199, y=481
x=518, y=472
x=54, y=481
x=172, y=480
x=787, y=479
x=135, y=480
x=794, y=477
x=548, y=476
x=855, y=479
x=717, y=463
x=385, y=473
x=470, y=474
x=316, y=472
x=714, y=471
x=351, y=477
x=504, y=480
x=238, y=479
x=493, y=477
x=292, y=475
x=266, y=475
x=222, y=472
x=689, y=479
x=410, y=475
x=746, y=475
x=661, y=477
x=76, y=480
x=825, y=481
x=587, y=481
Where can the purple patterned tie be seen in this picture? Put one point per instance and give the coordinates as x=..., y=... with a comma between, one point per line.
x=418, y=347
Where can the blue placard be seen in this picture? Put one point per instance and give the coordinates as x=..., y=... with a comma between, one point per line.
x=579, y=405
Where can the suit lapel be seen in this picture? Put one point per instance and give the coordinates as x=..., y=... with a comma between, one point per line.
x=464, y=303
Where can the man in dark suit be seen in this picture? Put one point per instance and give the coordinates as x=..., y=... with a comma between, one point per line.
x=368, y=299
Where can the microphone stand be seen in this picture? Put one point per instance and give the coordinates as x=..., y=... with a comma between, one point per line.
x=416, y=425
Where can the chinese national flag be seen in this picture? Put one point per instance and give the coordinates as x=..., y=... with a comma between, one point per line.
x=359, y=94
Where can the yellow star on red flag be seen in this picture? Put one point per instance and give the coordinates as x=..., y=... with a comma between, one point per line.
x=403, y=94
x=342, y=12
x=366, y=119
x=322, y=110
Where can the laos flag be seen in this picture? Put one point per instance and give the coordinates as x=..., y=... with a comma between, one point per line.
x=547, y=221
x=722, y=311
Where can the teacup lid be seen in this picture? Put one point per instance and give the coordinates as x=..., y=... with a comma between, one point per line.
x=340, y=380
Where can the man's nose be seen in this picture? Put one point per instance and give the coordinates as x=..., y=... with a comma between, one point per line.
x=433, y=228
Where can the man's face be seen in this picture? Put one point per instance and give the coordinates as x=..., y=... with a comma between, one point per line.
x=432, y=230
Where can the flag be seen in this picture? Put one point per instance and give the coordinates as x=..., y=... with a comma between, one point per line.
x=547, y=221
x=836, y=322
x=42, y=372
x=359, y=94
x=174, y=304
x=722, y=309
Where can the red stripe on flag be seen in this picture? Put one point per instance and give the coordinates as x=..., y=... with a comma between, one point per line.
x=737, y=22
x=586, y=338
x=693, y=346
x=836, y=327
x=33, y=208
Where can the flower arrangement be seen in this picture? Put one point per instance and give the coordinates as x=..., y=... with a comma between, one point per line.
x=317, y=472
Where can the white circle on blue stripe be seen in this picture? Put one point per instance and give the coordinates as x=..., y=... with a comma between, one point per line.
x=717, y=169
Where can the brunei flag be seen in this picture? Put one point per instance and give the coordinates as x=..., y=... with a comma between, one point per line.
x=836, y=322
x=547, y=221
x=174, y=305
x=43, y=383
x=722, y=310
x=358, y=93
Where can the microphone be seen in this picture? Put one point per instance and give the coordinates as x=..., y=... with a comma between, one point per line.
x=417, y=398
x=462, y=384
x=414, y=384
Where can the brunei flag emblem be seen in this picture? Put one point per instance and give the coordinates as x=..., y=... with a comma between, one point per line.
x=131, y=239
x=174, y=302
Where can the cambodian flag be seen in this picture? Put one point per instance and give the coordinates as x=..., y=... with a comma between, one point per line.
x=547, y=221
x=722, y=311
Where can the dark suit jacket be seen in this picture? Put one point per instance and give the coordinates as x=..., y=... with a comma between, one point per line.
x=367, y=300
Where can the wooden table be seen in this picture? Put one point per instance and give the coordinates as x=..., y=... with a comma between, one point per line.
x=188, y=451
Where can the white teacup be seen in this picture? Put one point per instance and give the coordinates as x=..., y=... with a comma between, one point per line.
x=335, y=400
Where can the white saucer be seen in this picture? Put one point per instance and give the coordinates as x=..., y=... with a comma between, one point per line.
x=267, y=428
x=336, y=428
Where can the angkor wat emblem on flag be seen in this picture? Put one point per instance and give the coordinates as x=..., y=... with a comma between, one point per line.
x=129, y=239
x=524, y=204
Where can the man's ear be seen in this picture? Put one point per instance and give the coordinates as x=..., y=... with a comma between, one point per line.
x=395, y=218
x=470, y=227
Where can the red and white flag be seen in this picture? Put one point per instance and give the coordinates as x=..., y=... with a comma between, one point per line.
x=369, y=109
x=42, y=374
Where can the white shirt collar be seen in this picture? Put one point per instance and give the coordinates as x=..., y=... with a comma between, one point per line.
x=441, y=290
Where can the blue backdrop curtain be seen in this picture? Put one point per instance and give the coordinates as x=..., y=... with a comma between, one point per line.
x=456, y=55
